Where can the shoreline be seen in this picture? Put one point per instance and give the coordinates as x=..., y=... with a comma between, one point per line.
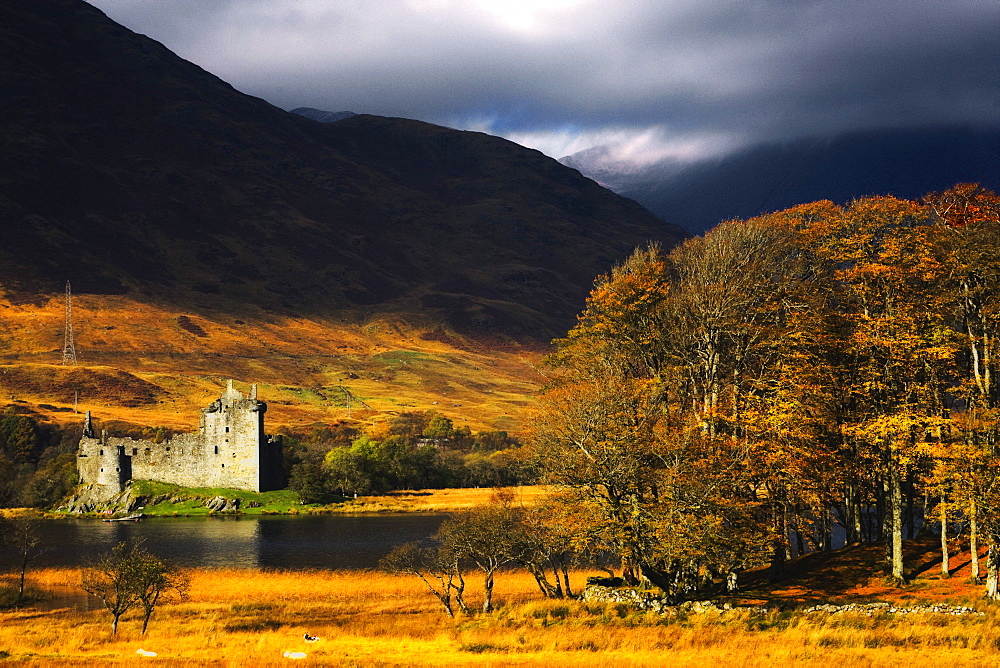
x=423, y=501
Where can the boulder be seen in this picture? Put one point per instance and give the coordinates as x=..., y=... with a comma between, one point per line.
x=221, y=504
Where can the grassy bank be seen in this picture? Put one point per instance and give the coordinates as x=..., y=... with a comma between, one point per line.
x=172, y=500
x=363, y=618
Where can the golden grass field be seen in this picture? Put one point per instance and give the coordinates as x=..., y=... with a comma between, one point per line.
x=250, y=618
x=438, y=500
x=149, y=364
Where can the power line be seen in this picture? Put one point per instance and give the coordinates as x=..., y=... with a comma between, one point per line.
x=69, y=348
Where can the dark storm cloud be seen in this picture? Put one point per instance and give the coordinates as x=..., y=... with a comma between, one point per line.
x=659, y=76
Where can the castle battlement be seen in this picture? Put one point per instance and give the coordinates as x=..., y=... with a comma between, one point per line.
x=230, y=449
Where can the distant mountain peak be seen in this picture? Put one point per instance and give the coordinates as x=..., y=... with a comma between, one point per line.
x=605, y=165
x=697, y=195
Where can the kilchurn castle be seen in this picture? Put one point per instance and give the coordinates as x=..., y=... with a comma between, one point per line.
x=230, y=449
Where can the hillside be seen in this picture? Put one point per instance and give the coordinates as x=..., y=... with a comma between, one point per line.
x=149, y=364
x=208, y=234
x=905, y=163
x=130, y=171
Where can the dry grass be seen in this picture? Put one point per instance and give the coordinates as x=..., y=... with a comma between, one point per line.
x=250, y=618
x=141, y=363
x=438, y=500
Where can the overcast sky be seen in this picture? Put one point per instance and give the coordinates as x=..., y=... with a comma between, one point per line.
x=653, y=78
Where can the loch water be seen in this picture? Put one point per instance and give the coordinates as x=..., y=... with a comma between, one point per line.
x=290, y=542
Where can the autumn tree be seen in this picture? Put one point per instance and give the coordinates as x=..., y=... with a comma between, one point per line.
x=967, y=239
x=780, y=373
x=887, y=281
x=618, y=424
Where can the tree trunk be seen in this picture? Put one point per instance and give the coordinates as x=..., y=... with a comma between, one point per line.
x=885, y=518
x=778, y=557
x=827, y=527
x=488, y=591
x=444, y=595
x=546, y=587
x=20, y=588
x=992, y=565
x=459, y=590
x=945, y=559
x=974, y=540
x=856, y=517
x=896, y=502
x=779, y=550
x=558, y=584
x=565, y=574
x=878, y=522
x=910, y=527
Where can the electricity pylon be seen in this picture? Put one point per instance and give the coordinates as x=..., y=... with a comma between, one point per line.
x=69, y=348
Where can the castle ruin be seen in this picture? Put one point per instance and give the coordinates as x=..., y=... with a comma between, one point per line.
x=230, y=449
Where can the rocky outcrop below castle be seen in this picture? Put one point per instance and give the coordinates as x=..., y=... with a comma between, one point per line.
x=95, y=498
x=100, y=500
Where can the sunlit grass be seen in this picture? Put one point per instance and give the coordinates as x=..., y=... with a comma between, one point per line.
x=249, y=618
x=438, y=500
x=286, y=501
x=299, y=363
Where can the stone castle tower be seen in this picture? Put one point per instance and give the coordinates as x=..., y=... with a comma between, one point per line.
x=230, y=449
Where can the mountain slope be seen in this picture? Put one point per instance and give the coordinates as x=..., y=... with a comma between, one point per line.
x=129, y=170
x=905, y=163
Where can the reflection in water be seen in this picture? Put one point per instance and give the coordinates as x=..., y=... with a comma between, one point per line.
x=283, y=541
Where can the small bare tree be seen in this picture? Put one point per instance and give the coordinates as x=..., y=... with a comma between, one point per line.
x=130, y=576
x=429, y=564
x=488, y=536
x=23, y=535
x=157, y=580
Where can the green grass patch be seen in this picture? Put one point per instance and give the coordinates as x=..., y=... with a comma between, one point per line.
x=191, y=500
